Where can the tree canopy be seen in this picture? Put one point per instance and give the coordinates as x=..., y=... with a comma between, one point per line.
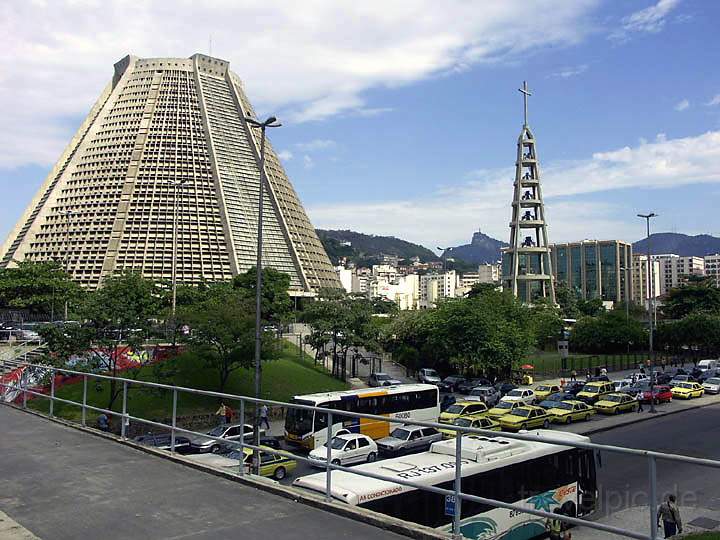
x=39, y=287
x=692, y=298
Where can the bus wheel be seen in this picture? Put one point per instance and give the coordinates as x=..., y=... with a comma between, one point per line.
x=279, y=473
x=371, y=457
x=546, y=424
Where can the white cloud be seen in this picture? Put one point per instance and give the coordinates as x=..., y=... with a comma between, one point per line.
x=651, y=20
x=570, y=71
x=285, y=155
x=370, y=112
x=308, y=162
x=484, y=200
x=714, y=101
x=682, y=105
x=310, y=60
x=315, y=145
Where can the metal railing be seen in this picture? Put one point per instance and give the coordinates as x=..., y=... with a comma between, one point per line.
x=651, y=456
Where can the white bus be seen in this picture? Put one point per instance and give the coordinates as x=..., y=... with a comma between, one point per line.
x=401, y=404
x=535, y=475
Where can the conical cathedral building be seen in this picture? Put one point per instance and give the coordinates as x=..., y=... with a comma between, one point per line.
x=526, y=264
x=166, y=147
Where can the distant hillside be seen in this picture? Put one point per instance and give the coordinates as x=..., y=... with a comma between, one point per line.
x=366, y=249
x=481, y=249
x=680, y=244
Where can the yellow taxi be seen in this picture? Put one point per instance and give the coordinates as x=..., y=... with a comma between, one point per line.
x=687, y=390
x=271, y=465
x=565, y=412
x=616, y=403
x=544, y=390
x=525, y=417
x=471, y=421
x=502, y=408
x=593, y=392
x=462, y=408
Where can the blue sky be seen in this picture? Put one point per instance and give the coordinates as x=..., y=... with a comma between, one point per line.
x=403, y=120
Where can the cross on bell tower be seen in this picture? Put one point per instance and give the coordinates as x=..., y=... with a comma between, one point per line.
x=526, y=263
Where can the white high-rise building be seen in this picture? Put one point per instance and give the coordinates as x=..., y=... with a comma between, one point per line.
x=712, y=267
x=434, y=287
x=166, y=157
x=674, y=269
x=641, y=280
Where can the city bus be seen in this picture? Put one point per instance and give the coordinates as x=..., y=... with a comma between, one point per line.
x=535, y=475
x=401, y=404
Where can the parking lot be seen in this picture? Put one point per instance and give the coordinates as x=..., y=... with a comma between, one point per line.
x=595, y=424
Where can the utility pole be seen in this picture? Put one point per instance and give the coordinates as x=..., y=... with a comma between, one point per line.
x=651, y=307
x=262, y=126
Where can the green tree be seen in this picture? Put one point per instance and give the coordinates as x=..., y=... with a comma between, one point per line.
x=696, y=297
x=118, y=316
x=609, y=332
x=696, y=331
x=39, y=287
x=275, y=301
x=591, y=308
x=223, y=332
x=340, y=323
x=547, y=324
x=479, y=289
x=567, y=299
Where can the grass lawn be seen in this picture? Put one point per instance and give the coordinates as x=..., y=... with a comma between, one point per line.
x=282, y=379
x=704, y=536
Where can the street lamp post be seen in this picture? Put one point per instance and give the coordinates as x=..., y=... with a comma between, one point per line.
x=443, y=257
x=651, y=306
x=627, y=299
x=262, y=126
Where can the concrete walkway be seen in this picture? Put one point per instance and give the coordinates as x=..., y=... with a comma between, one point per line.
x=63, y=484
x=637, y=519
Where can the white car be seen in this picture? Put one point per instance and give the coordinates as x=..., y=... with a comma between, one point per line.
x=345, y=450
x=520, y=395
x=704, y=365
x=712, y=385
x=230, y=432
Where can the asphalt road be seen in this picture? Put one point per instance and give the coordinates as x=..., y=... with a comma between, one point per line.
x=624, y=479
x=60, y=483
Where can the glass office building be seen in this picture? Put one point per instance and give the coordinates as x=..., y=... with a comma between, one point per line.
x=166, y=156
x=595, y=268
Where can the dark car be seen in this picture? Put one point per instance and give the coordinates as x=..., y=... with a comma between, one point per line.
x=708, y=374
x=408, y=439
x=466, y=386
x=598, y=378
x=663, y=377
x=450, y=384
x=553, y=399
x=162, y=441
x=574, y=387
x=504, y=387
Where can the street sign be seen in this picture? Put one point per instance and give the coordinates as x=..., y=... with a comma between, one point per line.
x=449, y=505
x=563, y=348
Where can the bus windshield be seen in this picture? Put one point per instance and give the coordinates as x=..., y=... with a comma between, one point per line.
x=299, y=421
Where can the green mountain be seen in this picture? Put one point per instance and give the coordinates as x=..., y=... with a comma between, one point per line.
x=679, y=244
x=368, y=249
x=481, y=249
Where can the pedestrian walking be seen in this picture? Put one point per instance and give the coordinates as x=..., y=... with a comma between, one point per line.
x=669, y=514
x=554, y=527
x=603, y=371
x=264, y=416
x=573, y=375
x=639, y=396
x=221, y=413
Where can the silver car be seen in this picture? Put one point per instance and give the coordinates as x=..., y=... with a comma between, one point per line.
x=428, y=376
x=486, y=394
x=229, y=432
x=407, y=440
